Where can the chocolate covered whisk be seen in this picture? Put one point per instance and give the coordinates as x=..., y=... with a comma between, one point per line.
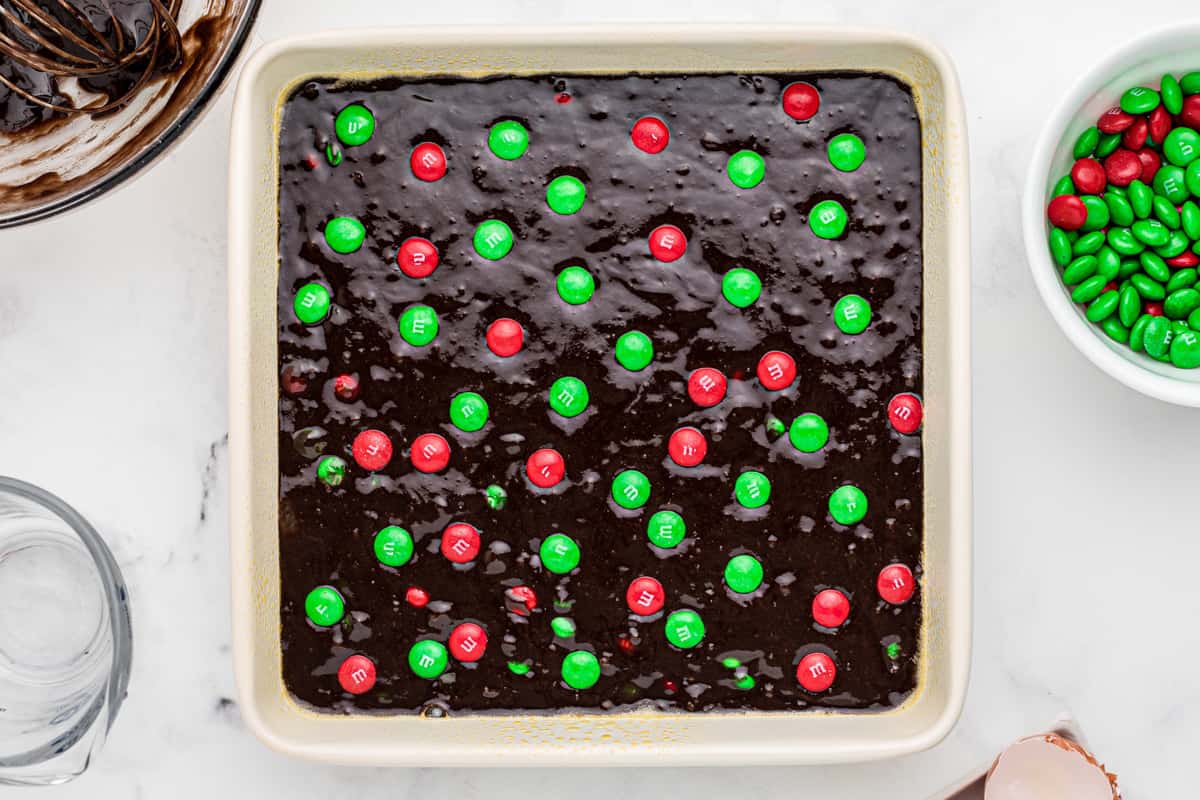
x=111, y=52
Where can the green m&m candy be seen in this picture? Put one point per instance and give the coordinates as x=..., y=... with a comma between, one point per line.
x=565, y=195
x=428, y=659
x=559, y=553
x=575, y=285
x=324, y=606
x=493, y=239
x=496, y=497
x=852, y=314
x=354, y=125
x=827, y=219
x=563, y=627
x=665, y=529
x=508, y=140
x=580, y=670
x=752, y=489
x=847, y=505
x=312, y=304
x=1185, y=350
x=569, y=396
x=393, y=546
x=1182, y=146
x=635, y=351
x=468, y=411
x=418, y=325
x=1139, y=100
x=808, y=433
x=631, y=489
x=846, y=152
x=746, y=169
x=684, y=629
x=744, y=574
x=344, y=234
x=741, y=287
x=331, y=470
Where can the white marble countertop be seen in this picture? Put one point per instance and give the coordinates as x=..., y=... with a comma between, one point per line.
x=113, y=348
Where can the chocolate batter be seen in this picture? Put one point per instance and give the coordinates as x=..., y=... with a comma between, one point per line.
x=326, y=533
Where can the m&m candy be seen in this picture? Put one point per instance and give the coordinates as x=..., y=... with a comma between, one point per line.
x=559, y=553
x=741, y=287
x=393, y=546
x=493, y=239
x=896, y=584
x=852, y=314
x=706, y=386
x=520, y=600
x=508, y=140
x=745, y=169
x=344, y=234
x=575, y=285
x=847, y=505
x=580, y=670
x=827, y=219
x=801, y=101
x=816, y=672
x=650, y=135
x=569, y=396
x=776, y=370
x=467, y=642
x=846, y=152
x=428, y=162
x=684, y=629
x=667, y=243
x=634, y=351
x=645, y=596
x=417, y=257
x=460, y=542
x=905, y=413
x=545, y=468
x=345, y=388
x=416, y=597
x=357, y=674
x=744, y=574
x=468, y=411
x=666, y=529
x=505, y=337
x=565, y=195
x=808, y=433
x=830, y=608
x=418, y=325
x=752, y=489
x=428, y=659
x=372, y=450
x=430, y=453
x=354, y=125
x=687, y=447
x=331, y=470
x=324, y=606
x=312, y=303
x=631, y=489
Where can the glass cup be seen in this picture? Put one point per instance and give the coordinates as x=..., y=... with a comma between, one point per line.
x=65, y=643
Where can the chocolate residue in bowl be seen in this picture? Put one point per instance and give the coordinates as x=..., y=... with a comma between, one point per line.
x=110, y=48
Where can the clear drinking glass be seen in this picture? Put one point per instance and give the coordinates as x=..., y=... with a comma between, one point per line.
x=65, y=643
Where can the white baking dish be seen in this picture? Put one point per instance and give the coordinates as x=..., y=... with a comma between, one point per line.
x=641, y=737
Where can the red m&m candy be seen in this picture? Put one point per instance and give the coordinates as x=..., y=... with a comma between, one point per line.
x=428, y=161
x=1136, y=134
x=505, y=337
x=706, y=387
x=1122, y=168
x=1185, y=259
x=905, y=413
x=357, y=674
x=650, y=135
x=417, y=257
x=667, y=243
x=1160, y=124
x=801, y=101
x=416, y=597
x=776, y=370
x=345, y=388
x=645, y=596
x=896, y=584
x=1067, y=212
x=1189, y=115
x=687, y=447
x=460, y=542
x=467, y=642
x=1088, y=176
x=430, y=453
x=830, y=608
x=545, y=468
x=520, y=600
x=372, y=450
x=816, y=672
x=1114, y=120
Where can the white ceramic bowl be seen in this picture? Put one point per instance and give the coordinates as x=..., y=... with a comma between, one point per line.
x=1141, y=62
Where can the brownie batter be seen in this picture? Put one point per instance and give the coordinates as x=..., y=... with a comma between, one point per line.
x=580, y=126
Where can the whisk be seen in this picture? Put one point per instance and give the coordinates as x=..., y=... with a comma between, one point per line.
x=59, y=39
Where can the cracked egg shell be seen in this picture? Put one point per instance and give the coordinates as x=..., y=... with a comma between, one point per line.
x=1049, y=767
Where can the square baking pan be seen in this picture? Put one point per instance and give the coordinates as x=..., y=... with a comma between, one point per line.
x=637, y=737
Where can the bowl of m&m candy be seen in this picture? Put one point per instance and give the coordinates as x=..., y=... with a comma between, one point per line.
x=1112, y=215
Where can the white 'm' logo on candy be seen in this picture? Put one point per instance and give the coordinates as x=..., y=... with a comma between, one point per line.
x=460, y=546
x=418, y=326
x=373, y=449
x=630, y=492
x=668, y=240
x=688, y=450
x=665, y=529
x=683, y=633
x=429, y=451
x=827, y=215
x=707, y=383
x=469, y=644
x=560, y=548
x=429, y=159
x=309, y=300
x=817, y=670
x=418, y=258
x=359, y=675
x=753, y=490
x=1170, y=186
x=566, y=398
x=545, y=471
x=850, y=312
x=426, y=661
x=903, y=412
x=645, y=599
x=775, y=371
x=898, y=582
x=492, y=239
